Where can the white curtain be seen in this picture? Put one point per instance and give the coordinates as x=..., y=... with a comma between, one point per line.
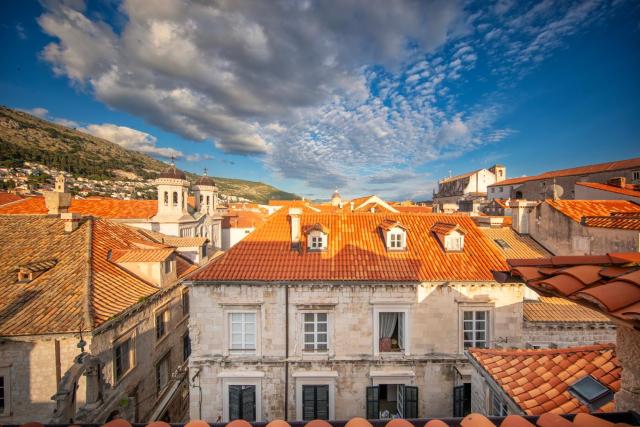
x=400, y=330
x=387, y=324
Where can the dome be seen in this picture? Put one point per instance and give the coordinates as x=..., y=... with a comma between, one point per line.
x=173, y=173
x=206, y=180
x=335, y=194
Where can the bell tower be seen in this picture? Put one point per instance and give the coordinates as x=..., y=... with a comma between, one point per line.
x=173, y=191
x=206, y=194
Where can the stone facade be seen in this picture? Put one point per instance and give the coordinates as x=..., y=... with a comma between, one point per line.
x=628, y=352
x=433, y=342
x=567, y=334
x=562, y=236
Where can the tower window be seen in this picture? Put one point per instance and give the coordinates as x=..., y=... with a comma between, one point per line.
x=166, y=198
x=175, y=198
x=207, y=200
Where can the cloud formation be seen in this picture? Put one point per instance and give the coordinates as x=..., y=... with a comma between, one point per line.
x=131, y=139
x=325, y=92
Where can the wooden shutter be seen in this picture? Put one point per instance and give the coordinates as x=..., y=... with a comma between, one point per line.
x=400, y=401
x=234, y=402
x=248, y=398
x=373, y=404
x=410, y=401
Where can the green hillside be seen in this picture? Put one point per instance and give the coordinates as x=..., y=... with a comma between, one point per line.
x=26, y=138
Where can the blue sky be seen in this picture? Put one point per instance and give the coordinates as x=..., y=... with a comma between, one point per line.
x=309, y=96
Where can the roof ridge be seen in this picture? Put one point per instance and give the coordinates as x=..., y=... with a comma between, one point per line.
x=545, y=351
x=88, y=306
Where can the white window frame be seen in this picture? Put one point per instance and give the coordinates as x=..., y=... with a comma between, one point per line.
x=635, y=175
x=166, y=318
x=255, y=380
x=316, y=378
x=227, y=324
x=316, y=238
x=165, y=357
x=452, y=237
x=384, y=308
x=303, y=314
x=5, y=372
x=132, y=352
x=497, y=400
x=392, y=239
x=489, y=325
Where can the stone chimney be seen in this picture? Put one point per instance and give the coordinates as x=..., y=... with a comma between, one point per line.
x=520, y=216
x=71, y=221
x=58, y=201
x=294, y=220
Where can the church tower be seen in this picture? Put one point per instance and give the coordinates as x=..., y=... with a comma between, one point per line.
x=173, y=191
x=336, y=200
x=206, y=194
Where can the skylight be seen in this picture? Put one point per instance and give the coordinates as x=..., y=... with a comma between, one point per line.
x=502, y=244
x=591, y=392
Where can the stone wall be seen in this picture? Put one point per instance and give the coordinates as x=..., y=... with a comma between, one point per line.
x=628, y=352
x=434, y=343
x=29, y=365
x=567, y=334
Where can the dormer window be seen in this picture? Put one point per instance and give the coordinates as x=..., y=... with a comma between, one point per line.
x=317, y=235
x=450, y=236
x=395, y=235
x=29, y=272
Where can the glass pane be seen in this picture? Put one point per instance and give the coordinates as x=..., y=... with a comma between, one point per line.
x=249, y=328
x=236, y=338
x=250, y=317
x=322, y=337
x=322, y=327
x=480, y=325
x=322, y=317
x=236, y=317
x=468, y=315
x=236, y=327
x=468, y=326
x=250, y=340
x=308, y=327
x=468, y=336
x=480, y=336
x=308, y=317
x=308, y=338
x=480, y=315
x=322, y=347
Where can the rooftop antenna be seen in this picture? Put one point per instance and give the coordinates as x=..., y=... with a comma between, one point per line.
x=205, y=171
x=173, y=160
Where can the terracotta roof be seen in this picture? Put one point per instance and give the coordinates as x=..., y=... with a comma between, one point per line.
x=8, y=198
x=292, y=203
x=576, y=209
x=457, y=177
x=172, y=172
x=609, y=283
x=103, y=208
x=538, y=380
x=356, y=251
x=472, y=420
x=184, y=266
x=82, y=290
x=581, y=170
x=627, y=191
x=388, y=224
x=242, y=219
x=141, y=255
x=559, y=310
x=502, y=202
x=446, y=228
x=613, y=221
x=175, y=241
x=414, y=209
x=519, y=246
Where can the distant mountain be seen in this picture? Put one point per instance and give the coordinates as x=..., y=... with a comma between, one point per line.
x=24, y=137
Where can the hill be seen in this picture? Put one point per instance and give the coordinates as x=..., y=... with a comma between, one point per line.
x=26, y=138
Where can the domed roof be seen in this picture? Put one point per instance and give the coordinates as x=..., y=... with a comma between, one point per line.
x=335, y=194
x=172, y=172
x=206, y=180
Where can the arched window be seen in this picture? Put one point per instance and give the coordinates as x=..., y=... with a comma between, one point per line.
x=175, y=198
x=518, y=194
x=166, y=198
x=207, y=200
x=201, y=197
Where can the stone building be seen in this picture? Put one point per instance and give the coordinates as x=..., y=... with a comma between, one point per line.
x=342, y=314
x=93, y=320
x=466, y=187
x=581, y=227
x=238, y=224
x=540, y=187
x=174, y=213
x=615, y=189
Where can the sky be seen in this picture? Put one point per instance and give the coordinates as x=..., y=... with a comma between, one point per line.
x=369, y=97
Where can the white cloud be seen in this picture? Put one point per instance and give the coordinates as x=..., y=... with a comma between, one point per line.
x=131, y=139
x=38, y=112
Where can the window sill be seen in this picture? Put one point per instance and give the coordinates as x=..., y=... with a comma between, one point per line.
x=391, y=354
x=161, y=340
x=124, y=376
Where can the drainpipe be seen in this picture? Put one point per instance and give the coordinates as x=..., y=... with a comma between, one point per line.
x=286, y=352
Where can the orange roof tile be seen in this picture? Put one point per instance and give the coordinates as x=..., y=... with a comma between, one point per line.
x=413, y=209
x=83, y=289
x=559, y=310
x=8, y=198
x=522, y=375
x=519, y=246
x=609, y=283
x=356, y=251
x=141, y=255
x=576, y=209
x=581, y=170
x=103, y=208
x=627, y=191
x=243, y=219
x=614, y=221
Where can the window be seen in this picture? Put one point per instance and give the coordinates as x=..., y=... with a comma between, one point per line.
x=498, y=406
x=166, y=198
x=589, y=390
x=454, y=242
x=208, y=201
x=185, y=302
x=385, y=401
x=391, y=332
x=476, y=329
x=186, y=347
x=168, y=266
x=201, y=199
x=493, y=189
x=317, y=241
x=242, y=402
x=501, y=189
x=5, y=391
x=397, y=240
x=315, y=332
x=2, y=395
x=243, y=331
x=635, y=175
x=502, y=244
x=161, y=323
x=315, y=402
x=163, y=371
x=175, y=198
x=122, y=358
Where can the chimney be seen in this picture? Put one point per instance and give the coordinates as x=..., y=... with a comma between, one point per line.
x=351, y=204
x=71, y=221
x=294, y=219
x=520, y=216
x=619, y=181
